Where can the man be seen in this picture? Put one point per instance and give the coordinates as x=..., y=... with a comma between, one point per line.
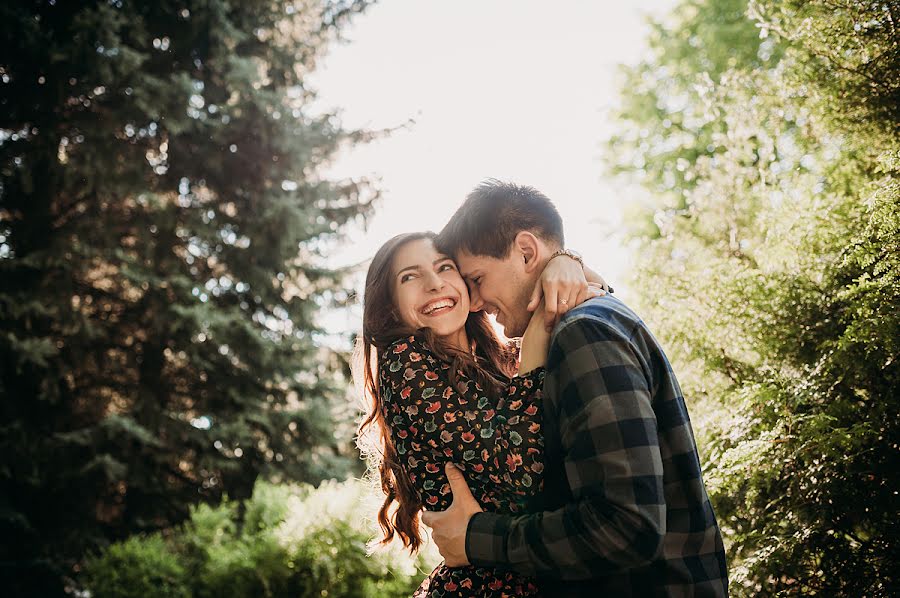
x=625, y=509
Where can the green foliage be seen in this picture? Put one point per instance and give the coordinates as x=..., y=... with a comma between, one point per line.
x=294, y=541
x=163, y=226
x=136, y=568
x=775, y=247
x=847, y=52
x=671, y=98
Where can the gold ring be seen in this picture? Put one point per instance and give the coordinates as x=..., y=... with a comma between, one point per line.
x=564, y=301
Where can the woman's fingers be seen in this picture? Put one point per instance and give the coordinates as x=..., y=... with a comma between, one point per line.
x=580, y=294
x=583, y=295
x=596, y=290
x=536, y=295
x=569, y=296
x=551, y=304
x=567, y=300
x=601, y=283
x=577, y=296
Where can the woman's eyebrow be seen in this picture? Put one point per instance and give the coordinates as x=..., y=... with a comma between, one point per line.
x=402, y=270
x=434, y=263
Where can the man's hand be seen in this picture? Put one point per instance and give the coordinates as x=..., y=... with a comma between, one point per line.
x=448, y=528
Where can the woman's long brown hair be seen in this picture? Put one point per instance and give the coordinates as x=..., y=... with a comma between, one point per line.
x=381, y=327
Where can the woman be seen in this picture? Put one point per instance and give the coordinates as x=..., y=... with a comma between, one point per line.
x=441, y=388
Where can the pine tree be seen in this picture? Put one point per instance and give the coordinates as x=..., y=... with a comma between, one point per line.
x=771, y=160
x=163, y=226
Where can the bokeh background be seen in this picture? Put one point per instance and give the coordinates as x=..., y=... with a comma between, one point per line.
x=189, y=192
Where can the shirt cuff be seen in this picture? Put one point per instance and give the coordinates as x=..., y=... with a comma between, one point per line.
x=486, y=537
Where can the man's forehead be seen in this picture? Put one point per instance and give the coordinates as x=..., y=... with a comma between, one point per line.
x=470, y=264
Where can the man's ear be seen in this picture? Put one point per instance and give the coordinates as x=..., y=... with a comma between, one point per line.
x=527, y=248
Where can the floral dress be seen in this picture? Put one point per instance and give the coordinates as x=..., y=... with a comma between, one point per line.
x=498, y=444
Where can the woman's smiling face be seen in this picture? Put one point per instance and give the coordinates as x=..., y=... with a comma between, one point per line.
x=428, y=290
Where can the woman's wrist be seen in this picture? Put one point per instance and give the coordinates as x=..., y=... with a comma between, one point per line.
x=590, y=275
x=573, y=255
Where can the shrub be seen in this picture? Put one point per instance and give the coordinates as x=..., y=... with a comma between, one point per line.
x=140, y=566
x=287, y=540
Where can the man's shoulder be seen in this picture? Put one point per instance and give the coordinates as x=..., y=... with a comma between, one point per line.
x=602, y=325
x=605, y=313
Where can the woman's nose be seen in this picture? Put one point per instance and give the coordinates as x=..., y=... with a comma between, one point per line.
x=434, y=282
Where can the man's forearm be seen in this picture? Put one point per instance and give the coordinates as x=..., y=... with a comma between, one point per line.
x=542, y=544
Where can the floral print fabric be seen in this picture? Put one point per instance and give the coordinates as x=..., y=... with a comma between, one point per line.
x=498, y=444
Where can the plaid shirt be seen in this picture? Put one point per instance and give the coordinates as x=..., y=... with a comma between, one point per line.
x=625, y=511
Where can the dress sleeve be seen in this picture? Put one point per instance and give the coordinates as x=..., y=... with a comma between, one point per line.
x=433, y=422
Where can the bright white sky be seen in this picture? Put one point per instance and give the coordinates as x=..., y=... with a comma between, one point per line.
x=516, y=90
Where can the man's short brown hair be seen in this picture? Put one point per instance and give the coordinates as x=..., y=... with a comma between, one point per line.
x=493, y=214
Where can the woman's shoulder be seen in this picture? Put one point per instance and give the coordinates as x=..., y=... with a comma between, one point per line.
x=407, y=359
x=410, y=348
x=400, y=346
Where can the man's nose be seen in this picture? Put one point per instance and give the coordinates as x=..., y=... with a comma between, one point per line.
x=476, y=303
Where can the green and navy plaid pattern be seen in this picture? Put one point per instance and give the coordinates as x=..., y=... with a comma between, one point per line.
x=629, y=515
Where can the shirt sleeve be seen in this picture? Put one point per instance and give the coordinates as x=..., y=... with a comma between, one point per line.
x=608, y=432
x=433, y=422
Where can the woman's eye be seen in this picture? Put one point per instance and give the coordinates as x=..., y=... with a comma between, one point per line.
x=445, y=267
x=405, y=278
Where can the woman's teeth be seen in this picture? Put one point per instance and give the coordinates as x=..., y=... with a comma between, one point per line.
x=438, y=306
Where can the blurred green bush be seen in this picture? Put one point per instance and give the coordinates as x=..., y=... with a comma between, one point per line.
x=287, y=540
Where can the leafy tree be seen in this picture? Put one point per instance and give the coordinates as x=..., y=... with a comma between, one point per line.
x=669, y=97
x=162, y=230
x=847, y=51
x=775, y=252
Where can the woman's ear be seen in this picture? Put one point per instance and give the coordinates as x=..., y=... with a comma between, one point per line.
x=527, y=248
